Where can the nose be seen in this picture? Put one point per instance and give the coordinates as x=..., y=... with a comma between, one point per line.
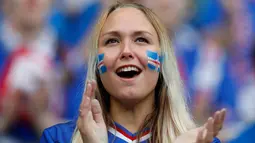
x=126, y=51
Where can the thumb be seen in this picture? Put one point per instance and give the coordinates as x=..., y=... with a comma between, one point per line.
x=97, y=111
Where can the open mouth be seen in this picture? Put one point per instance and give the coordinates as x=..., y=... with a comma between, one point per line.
x=129, y=71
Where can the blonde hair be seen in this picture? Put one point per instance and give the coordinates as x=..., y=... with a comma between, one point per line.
x=170, y=117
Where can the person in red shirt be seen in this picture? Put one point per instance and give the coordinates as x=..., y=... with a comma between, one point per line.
x=30, y=45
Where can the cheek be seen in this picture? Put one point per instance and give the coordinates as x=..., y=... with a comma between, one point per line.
x=110, y=58
x=151, y=60
x=142, y=57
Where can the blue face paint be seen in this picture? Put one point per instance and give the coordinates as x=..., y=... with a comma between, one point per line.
x=100, y=64
x=161, y=58
x=153, y=61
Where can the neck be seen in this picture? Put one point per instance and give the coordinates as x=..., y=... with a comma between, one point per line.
x=27, y=31
x=132, y=116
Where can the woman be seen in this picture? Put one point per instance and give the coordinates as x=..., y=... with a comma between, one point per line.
x=139, y=93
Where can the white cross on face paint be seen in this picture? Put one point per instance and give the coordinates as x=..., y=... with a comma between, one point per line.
x=100, y=63
x=153, y=60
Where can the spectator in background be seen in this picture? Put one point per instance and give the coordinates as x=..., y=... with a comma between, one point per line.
x=78, y=18
x=246, y=108
x=223, y=67
x=73, y=20
x=28, y=93
x=211, y=21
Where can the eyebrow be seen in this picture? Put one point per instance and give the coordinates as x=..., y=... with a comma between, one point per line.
x=117, y=33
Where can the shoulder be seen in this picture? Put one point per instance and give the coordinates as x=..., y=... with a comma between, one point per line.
x=216, y=140
x=58, y=133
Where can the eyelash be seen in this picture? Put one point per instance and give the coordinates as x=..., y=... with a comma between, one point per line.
x=113, y=40
x=142, y=38
x=109, y=41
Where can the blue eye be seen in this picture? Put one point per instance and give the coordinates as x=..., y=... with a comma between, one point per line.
x=142, y=40
x=111, y=41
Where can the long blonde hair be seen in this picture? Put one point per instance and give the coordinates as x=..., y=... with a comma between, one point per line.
x=170, y=117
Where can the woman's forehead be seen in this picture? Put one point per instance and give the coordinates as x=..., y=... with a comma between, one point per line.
x=127, y=20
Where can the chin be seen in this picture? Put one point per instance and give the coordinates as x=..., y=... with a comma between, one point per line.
x=130, y=96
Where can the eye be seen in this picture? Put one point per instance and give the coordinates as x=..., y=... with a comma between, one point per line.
x=111, y=41
x=142, y=40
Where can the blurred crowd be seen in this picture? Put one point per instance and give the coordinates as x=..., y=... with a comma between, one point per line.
x=43, y=58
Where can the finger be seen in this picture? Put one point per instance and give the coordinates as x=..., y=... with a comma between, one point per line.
x=223, y=115
x=86, y=107
x=94, y=86
x=217, y=123
x=87, y=92
x=97, y=111
x=220, y=122
x=200, y=136
x=86, y=101
x=85, y=116
x=84, y=122
x=208, y=137
x=217, y=116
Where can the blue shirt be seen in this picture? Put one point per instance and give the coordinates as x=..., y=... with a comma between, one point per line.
x=62, y=133
x=247, y=136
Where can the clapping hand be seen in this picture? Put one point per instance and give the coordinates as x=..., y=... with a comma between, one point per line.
x=205, y=133
x=90, y=122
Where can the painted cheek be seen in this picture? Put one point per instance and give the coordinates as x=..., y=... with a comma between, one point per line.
x=110, y=57
x=109, y=63
x=153, y=60
x=100, y=63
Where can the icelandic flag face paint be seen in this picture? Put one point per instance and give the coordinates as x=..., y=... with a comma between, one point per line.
x=153, y=60
x=100, y=64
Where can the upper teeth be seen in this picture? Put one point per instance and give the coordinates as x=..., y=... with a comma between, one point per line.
x=130, y=68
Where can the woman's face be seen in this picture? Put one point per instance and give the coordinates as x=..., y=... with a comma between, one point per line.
x=127, y=45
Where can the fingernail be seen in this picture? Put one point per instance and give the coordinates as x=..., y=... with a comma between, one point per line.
x=89, y=84
x=217, y=114
x=81, y=113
